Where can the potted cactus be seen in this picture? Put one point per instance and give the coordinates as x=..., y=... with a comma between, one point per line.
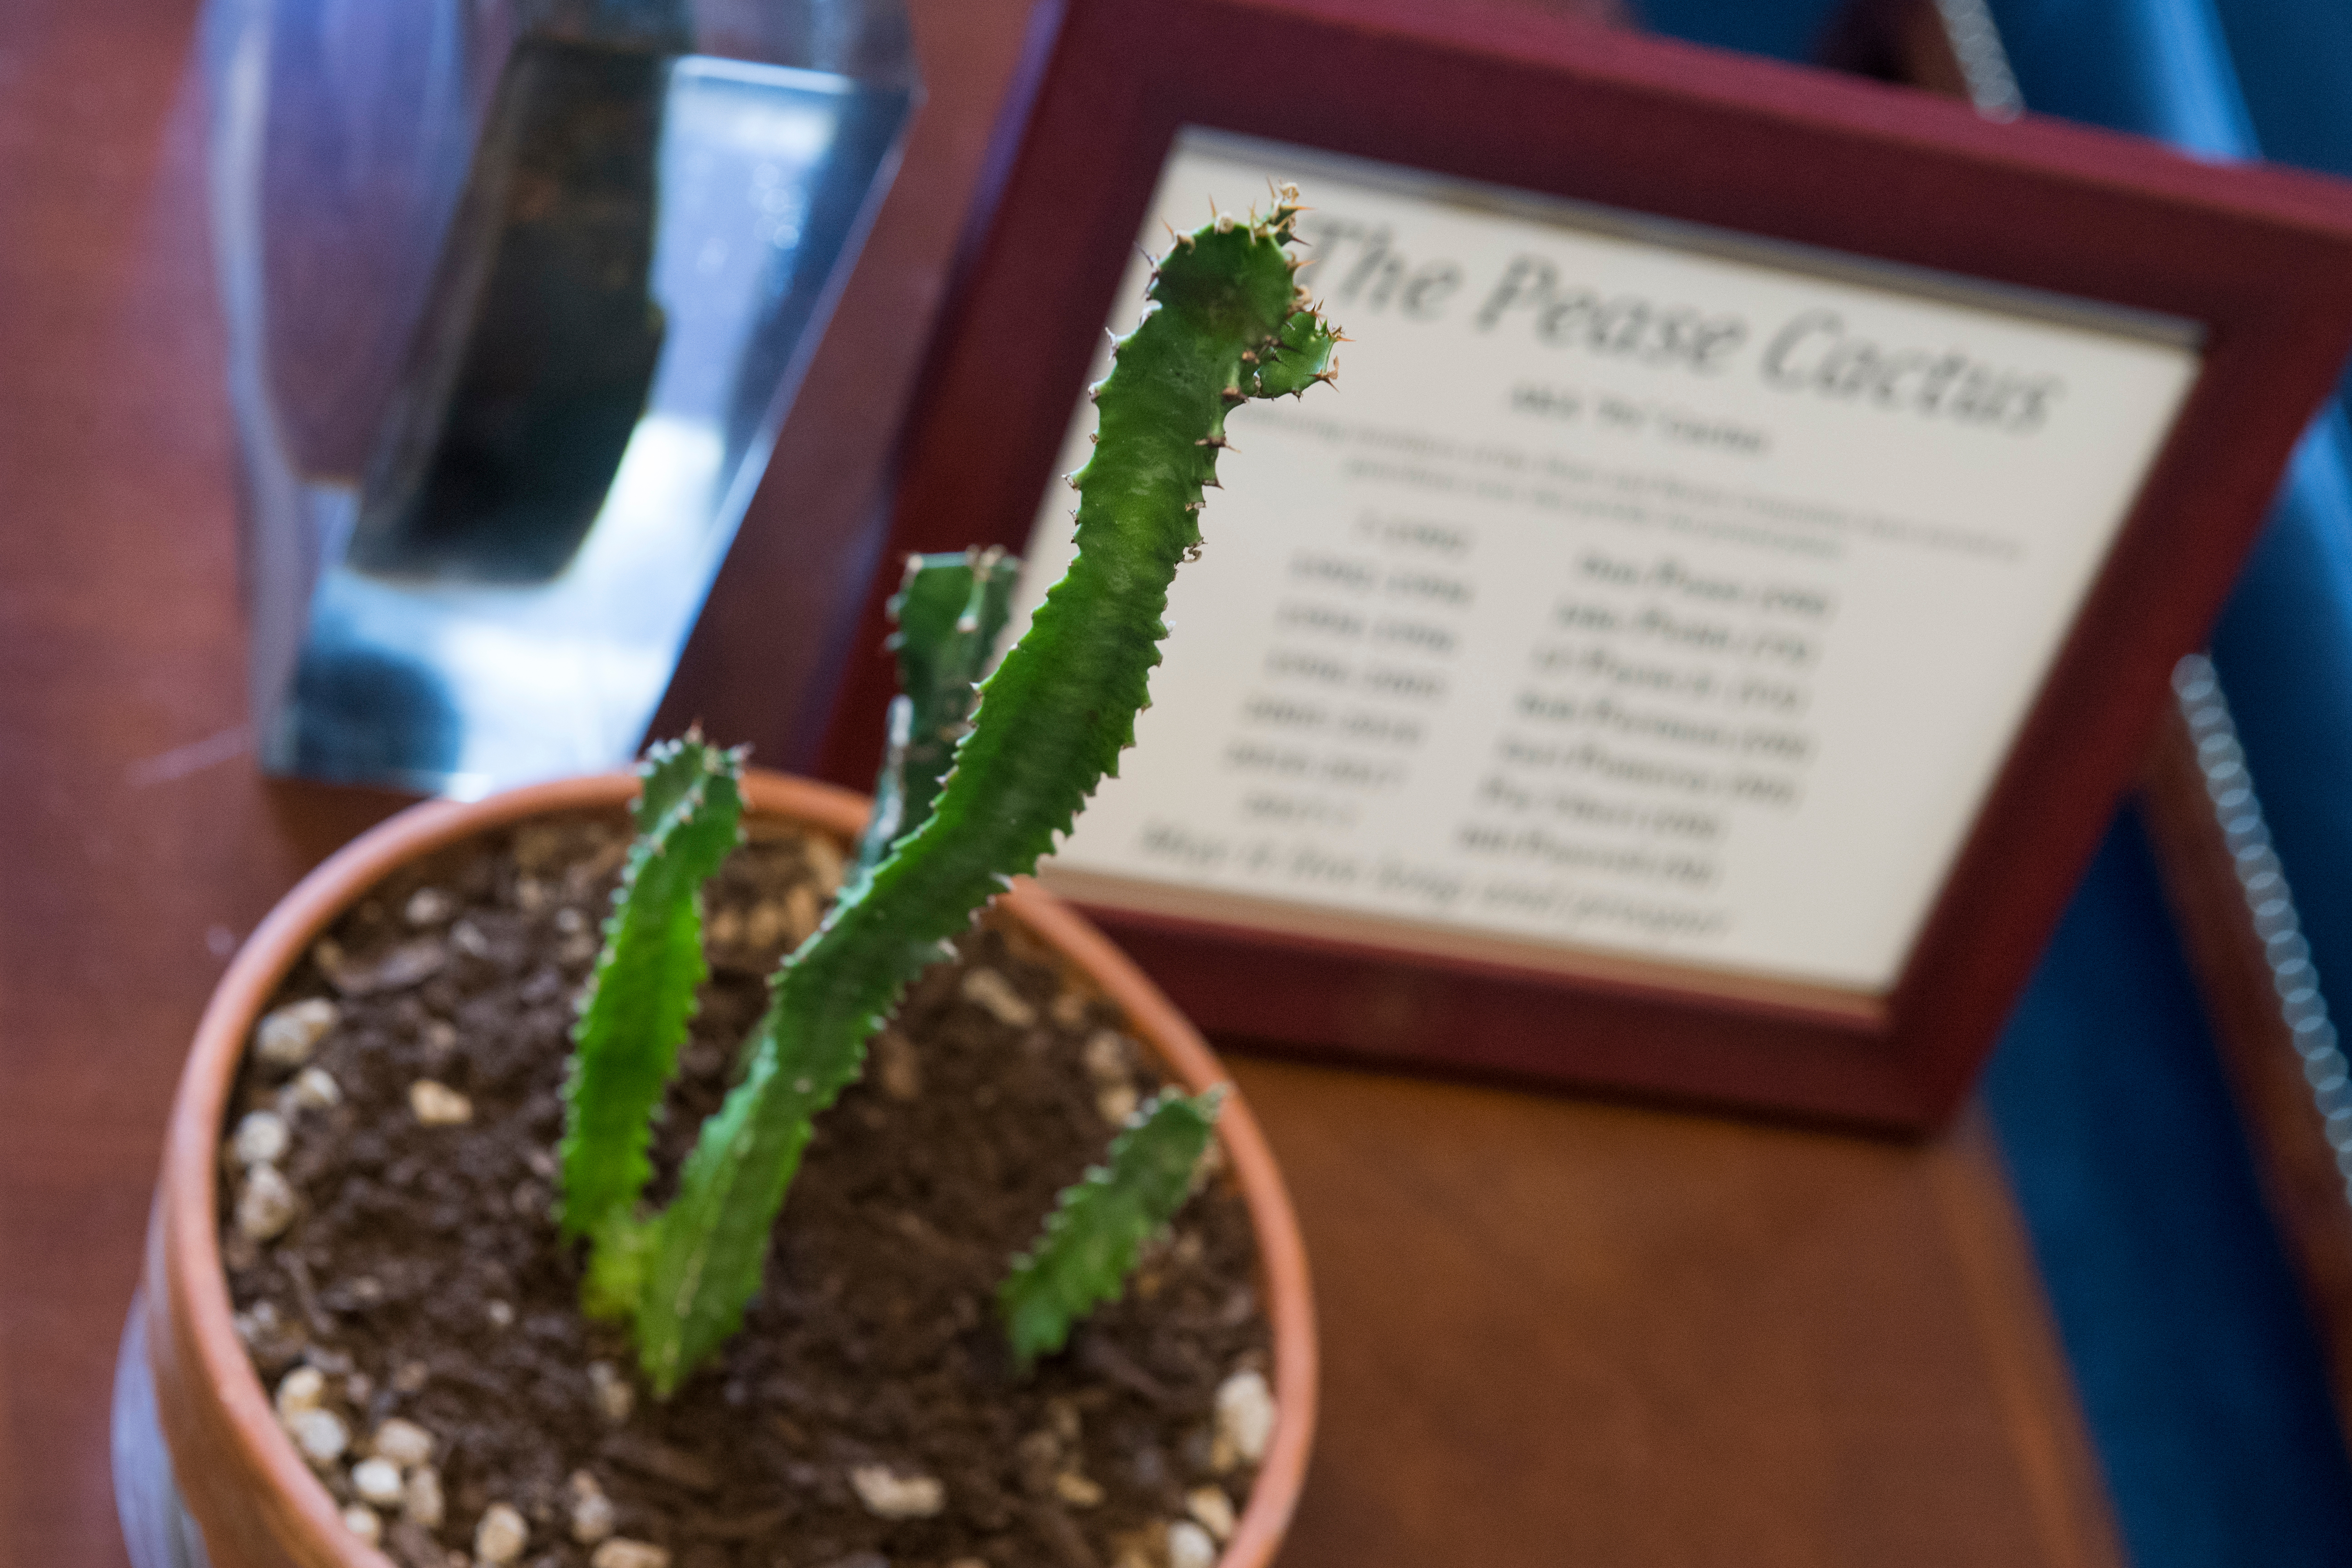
x=426, y=1286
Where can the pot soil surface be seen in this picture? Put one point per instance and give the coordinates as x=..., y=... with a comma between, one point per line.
x=867, y=1414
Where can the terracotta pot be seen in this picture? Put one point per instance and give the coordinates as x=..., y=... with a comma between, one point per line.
x=258, y=1505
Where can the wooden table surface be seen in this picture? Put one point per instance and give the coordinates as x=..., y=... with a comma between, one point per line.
x=1555, y=1332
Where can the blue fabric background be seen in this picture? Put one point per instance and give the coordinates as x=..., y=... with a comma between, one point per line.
x=2199, y=1368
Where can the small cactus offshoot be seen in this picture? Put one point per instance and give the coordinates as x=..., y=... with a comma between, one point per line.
x=1226, y=322
x=1101, y=1222
x=950, y=612
x=624, y=1045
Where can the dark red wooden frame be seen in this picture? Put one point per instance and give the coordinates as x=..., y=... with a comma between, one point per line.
x=2262, y=258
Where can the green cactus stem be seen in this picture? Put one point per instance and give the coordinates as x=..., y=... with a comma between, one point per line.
x=1225, y=322
x=625, y=1044
x=950, y=612
x=1101, y=1221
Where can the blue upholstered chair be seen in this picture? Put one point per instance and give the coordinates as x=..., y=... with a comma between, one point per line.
x=2198, y=1364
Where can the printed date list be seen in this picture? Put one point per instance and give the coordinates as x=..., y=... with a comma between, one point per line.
x=1651, y=704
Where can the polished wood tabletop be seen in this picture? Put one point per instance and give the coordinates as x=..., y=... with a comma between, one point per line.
x=1555, y=1331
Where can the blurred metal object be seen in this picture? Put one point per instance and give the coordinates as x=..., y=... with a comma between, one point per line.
x=1948, y=47
x=2278, y=1045
x=1982, y=60
x=518, y=294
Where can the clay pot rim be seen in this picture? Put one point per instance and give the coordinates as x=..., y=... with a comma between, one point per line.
x=192, y=1285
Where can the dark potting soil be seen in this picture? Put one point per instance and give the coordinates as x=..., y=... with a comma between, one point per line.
x=423, y=1275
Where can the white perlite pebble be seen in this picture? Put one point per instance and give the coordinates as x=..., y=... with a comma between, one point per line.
x=801, y=906
x=376, y=1481
x=896, y=1067
x=420, y=1499
x=620, y=1553
x=321, y=1435
x=1188, y=1546
x=1115, y=1105
x=1213, y=1508
x=1245, y=1415
x=315, y=1088
x=824, y=860
x=615, y=1396
x=591, y=1511
x=438, y=1105
x=286, y=1038
x=300, y=1390
x=886, y=1494
x=429, y=906
x=403, y=1443
x=1076, y=1489
x=362, y=1522
x=260, y=1138
x=266, y=1205
x=988, y=989
x=766, y=925
x=1106, y=1057
x=501, y=1535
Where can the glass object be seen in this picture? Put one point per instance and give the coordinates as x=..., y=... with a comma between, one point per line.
x=156, y=1528
x=518, y=293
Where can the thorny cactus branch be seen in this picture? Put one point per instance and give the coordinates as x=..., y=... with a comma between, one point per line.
x=1101, y=1221
x=624, y=1045
x=1225, y=322
x=950, y=612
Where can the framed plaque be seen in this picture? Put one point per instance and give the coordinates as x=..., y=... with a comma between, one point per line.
x=1697, y=644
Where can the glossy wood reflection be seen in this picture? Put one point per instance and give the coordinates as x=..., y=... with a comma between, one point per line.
x=1563, y=1332
x=1556, y=1331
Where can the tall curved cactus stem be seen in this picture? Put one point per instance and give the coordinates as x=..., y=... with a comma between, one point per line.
x=1225, y=323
